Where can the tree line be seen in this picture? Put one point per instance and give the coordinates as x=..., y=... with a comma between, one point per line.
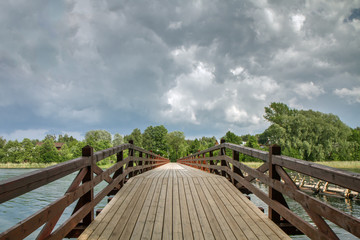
x=303, y=134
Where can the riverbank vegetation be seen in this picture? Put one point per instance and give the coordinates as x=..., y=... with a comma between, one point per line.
x=303, y=134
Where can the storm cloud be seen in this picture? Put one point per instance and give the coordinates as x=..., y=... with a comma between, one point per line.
x=202, y=67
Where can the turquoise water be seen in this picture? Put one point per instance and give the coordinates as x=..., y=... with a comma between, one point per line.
x=18, y=209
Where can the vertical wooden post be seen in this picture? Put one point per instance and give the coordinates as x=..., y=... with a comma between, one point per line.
x=140, y=162
x=211, y=154
x=88, y=151
x=119, y=158
x=223, y=162
x=273, y=194
x=198, y=162
x=131, y=163
x=146, y=162
x=235, y=169
x=204, y=162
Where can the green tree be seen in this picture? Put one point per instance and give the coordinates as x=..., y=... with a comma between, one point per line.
x=50, y=136
x=118, y=140
x=12, y=152
x=98, y=139
x=2, y=142
x=154, y=139
x=76, y=149
x=136, y=136
x=307, y=134
x=194, y=146
x=28, y=149
x=48, y=152
x=2, y=151
x=65, y=153
x=176, y=143
x=97, y=135
x=231, y=137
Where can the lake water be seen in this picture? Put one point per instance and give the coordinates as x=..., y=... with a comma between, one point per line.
x=18, y=209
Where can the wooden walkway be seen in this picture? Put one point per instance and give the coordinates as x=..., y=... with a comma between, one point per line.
x=179, y=202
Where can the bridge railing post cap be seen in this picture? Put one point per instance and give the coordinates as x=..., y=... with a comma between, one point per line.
x=87, y=151
x=222, y=140
x=275, y=149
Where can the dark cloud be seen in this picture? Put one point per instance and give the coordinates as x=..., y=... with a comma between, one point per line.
x=355, y=14
x=203, y=67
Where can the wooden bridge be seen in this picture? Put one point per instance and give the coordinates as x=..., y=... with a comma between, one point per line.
x=200, y=197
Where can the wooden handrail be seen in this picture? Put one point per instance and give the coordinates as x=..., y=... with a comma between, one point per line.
x=80, y=189
x=281, y=184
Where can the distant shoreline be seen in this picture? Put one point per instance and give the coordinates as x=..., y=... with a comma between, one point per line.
x=346, y=165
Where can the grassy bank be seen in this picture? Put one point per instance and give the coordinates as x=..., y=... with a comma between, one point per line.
x=353, y=166
x=346, y=165
x=26, y=165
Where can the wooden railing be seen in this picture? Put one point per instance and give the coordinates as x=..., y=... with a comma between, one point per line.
x=81, y=189
x=280, y=184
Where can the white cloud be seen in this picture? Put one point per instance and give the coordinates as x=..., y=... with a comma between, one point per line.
x=298, y=21
x=237, y=71
x=309, y=90
x=351, y=95
x=175, y=25
x=233, y=115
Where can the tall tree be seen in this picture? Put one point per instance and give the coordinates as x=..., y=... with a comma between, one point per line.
x=48, y=152
x=231, y=137
x=2, y=142
x=118, y=140
x=136, y=136
x=176, y=142
x=98, y=139
x=154, y=139
x=307, y=134
x=13, y=152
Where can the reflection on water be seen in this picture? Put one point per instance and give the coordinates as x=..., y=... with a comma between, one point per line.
x=349, y=206
x=15, y=210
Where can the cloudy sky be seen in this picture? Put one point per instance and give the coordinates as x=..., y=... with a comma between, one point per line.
x=199, y=66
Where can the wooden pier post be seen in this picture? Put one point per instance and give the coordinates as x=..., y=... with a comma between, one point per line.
x=88, y=151
x=273, y=194
x=131, y=154
x=223, y=162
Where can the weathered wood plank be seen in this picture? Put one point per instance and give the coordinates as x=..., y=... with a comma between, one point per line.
x=185, y=216
x=179, y=202
x=204, y=223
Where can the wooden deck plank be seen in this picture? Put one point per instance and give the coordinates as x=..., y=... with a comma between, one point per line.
x=150, y=220
x=204, y=223
x=240, y=217
x=160, y=211
x=167, y=231
x=179, y=202
x=177, y=229
x=184, y=211
x=214, y=224
x=120, y=204
x=266, y=224
x=117, y=225
x=131, y=222
x=139, y=226
x=227, y=223
x=194, y=219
